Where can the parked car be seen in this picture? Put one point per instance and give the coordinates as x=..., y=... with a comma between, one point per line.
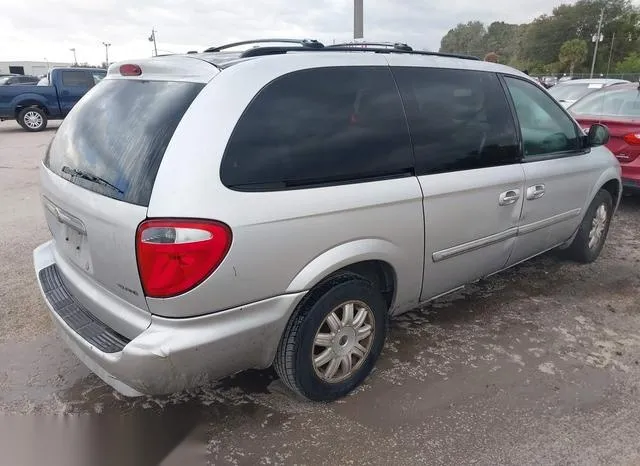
x=32, y=106
x=618, y=108
x=18, y=79
x=569, y=92
x=283, y=211
x=549, y=81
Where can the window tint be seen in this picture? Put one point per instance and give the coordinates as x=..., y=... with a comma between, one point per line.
x=611, y=101
x=75, y=78
x=119, y=131
x=459, y=120
x=545, y=127
x=319, y=126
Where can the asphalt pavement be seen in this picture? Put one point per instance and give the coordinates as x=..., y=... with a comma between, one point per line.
x=537, y=365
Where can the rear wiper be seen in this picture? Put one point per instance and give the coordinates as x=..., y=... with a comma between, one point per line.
x=90, y=177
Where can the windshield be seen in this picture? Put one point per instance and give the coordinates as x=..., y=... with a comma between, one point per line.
x=610, y=102
x=572, y=91
x=118, y=132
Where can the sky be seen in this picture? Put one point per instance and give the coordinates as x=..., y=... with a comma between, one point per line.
x=47, y=29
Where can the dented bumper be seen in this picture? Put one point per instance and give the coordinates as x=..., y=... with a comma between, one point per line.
x=173, y=354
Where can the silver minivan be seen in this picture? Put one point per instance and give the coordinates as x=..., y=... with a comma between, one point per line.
x=228, y=210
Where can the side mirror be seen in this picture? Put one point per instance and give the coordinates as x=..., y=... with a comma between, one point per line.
x=598, y=135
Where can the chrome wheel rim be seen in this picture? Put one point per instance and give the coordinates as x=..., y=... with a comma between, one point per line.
x=597, y=226
x=343, y=341
x=33, y=120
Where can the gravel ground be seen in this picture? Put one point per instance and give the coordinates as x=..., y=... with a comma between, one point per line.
x=537, y=365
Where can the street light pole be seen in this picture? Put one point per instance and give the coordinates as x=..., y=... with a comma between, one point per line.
x=75, y=59
x=358, y=19
x=613, y=38
x=597, y=41
x=152, y=38
x=106, y=51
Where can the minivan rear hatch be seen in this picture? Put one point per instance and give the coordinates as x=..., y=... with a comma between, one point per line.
x=98, y=176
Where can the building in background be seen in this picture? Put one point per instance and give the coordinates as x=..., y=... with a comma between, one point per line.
x=35, y=68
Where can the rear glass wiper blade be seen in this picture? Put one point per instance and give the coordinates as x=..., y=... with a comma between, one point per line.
x=90, y=177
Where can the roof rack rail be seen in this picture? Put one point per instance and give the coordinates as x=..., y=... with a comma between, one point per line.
x=306, y=43
x=260, y=51
x=394, y=45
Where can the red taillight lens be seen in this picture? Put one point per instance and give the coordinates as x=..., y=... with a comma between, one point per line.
x=130, y=70
x=174, y=256
x=633, y=139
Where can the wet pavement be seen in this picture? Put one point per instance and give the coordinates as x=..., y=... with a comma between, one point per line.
x=537, y=365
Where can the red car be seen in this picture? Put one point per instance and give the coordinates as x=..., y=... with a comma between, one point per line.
x=618, y=108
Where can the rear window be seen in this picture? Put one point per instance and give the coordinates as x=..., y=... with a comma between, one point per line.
x=118, y=134
x=610, y=102
x=75, y=78
x=572, y=91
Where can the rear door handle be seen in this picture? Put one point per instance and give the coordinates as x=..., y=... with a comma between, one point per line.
x=535, y=192
x=509, y=197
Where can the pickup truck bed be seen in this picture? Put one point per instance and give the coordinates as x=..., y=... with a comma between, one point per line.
x=32, y=106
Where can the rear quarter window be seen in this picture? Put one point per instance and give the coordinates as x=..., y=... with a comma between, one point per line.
x=320, y=126
x=119, y=132
x=75, y=78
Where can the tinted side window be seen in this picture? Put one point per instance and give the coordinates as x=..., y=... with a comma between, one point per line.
x=317, y=126
x=75, y=78
x=459, y=120
x=545, y=127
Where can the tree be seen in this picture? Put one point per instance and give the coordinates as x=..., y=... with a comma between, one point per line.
x=548, y=33
x=573, y=52
x=631, y=64
x=536, y=46
x=505, y=40
x=465, y=38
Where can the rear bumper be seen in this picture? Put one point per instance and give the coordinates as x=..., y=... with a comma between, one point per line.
x=170, y=354
x=631, y=174
x=631, y=184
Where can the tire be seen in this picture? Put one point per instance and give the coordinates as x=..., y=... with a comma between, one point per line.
x=583, y=249
x=32, y=119
x=294, y=359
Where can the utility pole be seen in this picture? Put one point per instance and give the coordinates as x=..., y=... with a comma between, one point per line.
x=597, y=38
x=106, y=52
x=75, y=59
x=152, y=38
x=613, y=38
x=358, y=19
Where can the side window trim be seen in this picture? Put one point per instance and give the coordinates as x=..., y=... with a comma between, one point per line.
x=514, y=116
x=551, y=155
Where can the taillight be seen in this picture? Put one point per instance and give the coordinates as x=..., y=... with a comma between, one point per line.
x=174, y=256
x=633, y=139
x=130, y=70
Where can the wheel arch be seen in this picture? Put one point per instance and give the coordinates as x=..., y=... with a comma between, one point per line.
x=610, y=181
x=372, y=258
x=29, y=101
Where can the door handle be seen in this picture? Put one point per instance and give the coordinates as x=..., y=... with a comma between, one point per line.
x=535, y=192
x=509, y=197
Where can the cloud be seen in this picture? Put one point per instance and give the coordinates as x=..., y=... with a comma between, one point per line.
x=35, y=29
